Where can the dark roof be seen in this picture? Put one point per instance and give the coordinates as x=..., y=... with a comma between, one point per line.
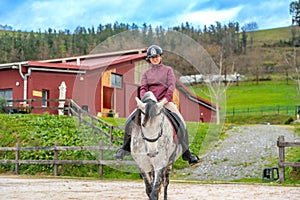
x=90, y=62
x=85, y=62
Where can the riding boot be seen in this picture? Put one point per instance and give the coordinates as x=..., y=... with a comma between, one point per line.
x=125, y=149
x=187, y=155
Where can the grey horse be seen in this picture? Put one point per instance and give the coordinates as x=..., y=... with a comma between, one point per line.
x=154, y=146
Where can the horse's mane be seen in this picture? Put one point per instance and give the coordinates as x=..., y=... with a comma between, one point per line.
x=151, y=109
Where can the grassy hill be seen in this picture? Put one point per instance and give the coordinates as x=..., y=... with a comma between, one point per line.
x=270, y=36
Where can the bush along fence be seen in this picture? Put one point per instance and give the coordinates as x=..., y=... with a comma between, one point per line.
x=282, y=144
x=56, y=162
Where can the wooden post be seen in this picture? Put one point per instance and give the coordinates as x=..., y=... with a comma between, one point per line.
x=55, y=159
x=281, y=158
x=100, y=159
x=93, y=126
x=69, y=108
x=17, y=158
x=111, y=135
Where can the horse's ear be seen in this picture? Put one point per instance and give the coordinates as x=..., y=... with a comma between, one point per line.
x=140, y=104
x=160, y=105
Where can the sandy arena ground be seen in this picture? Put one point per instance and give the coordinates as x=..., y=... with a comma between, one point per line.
x=20, y=187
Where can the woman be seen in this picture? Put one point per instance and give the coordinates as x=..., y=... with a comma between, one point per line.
x=160, y=80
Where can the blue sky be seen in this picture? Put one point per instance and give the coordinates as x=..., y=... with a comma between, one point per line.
x=28, y=15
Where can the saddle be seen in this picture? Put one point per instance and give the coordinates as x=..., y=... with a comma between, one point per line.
x=175, y=120
x=177, y=123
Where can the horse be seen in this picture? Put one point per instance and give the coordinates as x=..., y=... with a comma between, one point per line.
x=154, y=145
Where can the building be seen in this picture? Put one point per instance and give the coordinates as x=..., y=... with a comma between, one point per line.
x=100, y=83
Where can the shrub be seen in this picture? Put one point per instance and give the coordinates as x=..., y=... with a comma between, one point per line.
x=2, y=105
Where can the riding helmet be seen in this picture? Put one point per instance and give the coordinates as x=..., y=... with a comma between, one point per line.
x=153, y=51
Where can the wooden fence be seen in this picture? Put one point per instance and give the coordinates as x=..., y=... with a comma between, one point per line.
x=281, y=143
x=56, y=162
x=279, y=109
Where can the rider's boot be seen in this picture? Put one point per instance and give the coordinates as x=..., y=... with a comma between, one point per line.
x=187, y=155
x=125, y=149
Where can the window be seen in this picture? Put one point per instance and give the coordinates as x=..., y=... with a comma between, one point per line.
x=6, y=94
x=45, y=97
x=116, y=80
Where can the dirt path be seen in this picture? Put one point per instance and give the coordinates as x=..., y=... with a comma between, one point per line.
x=18, y=187
x=244, y=153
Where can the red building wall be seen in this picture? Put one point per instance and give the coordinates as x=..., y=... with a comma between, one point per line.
x=50, y=81
x=11, y=79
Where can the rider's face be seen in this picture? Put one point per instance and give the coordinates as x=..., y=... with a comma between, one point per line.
x=155, y=60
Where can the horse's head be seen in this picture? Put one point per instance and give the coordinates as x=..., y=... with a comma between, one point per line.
x=151, y=121
x=149, y=107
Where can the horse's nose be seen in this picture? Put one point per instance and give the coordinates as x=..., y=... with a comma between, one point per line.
x=152, y=154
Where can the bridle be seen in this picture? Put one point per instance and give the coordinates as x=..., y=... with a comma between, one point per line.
x=159, y=134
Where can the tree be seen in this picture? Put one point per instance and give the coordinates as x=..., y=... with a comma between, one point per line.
x=295, y=12
x=252, y=26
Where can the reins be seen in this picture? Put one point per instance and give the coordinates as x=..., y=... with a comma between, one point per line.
x=161, y=125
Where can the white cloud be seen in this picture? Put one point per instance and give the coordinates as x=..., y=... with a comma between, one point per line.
x=68, y=14
x=208, y=17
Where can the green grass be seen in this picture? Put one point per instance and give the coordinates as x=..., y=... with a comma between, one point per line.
x=268, y=93
x=270, y=36
x=267, y=96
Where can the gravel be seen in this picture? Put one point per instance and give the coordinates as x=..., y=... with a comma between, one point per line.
x=244, y=153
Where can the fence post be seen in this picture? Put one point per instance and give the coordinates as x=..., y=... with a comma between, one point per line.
x=100, y=159
x=93, y=126
x=17, y=158
x=79, y=116
x=281, y=158
x=111, y=135
x=69, y=107
x=55, y=159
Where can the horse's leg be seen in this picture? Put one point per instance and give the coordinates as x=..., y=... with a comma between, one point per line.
x=166, y=181
x=157, y=183
x=148, y=179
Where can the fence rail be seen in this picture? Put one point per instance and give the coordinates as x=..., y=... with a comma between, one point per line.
x=100, y=162
x=282, y=144
x=279, y=109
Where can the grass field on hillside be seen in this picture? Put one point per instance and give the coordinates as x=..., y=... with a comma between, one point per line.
x=270, y=36
x=249, y=95
x=268, y=93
